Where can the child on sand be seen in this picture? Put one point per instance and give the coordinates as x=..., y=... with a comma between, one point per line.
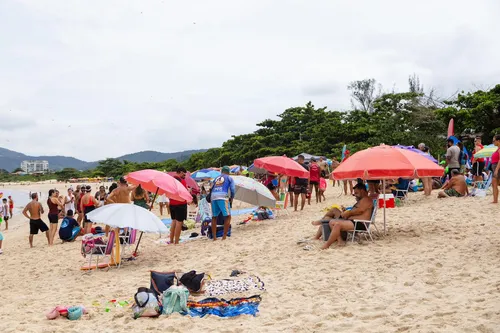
x=322, y=188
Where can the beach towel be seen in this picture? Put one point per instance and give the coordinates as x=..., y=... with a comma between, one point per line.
x=222, y=308
x=250, y=283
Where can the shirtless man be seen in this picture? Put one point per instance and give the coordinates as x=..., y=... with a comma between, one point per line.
x=35, y=209
x=343, y=221
x=455, y=187
x=11, y=206
x=122, y=193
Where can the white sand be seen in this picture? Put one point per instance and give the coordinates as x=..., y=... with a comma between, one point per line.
x=438, y=270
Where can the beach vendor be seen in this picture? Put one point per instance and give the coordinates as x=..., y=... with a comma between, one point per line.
x=69, y=228
x=223, y=192
x=341, y=221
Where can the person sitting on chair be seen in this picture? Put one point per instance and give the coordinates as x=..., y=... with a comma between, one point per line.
x=455, y=187
x=343, y=221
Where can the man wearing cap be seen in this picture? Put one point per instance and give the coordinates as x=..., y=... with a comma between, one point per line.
x=222, y=195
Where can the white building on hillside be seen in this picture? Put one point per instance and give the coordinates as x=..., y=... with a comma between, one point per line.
x=35, y=166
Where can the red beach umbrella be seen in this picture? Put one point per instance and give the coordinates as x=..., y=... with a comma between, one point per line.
x=283, y=165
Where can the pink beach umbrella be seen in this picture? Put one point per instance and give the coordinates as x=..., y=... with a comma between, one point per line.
x=160, y=183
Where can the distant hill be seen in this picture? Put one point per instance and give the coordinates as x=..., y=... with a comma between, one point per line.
x=154, y=156
x=10, y=160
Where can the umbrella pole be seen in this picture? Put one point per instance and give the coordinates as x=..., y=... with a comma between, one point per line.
x=150, y=207
x=383, y=186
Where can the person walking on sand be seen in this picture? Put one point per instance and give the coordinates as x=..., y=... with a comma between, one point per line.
x=35, y=210
x=178, y=209
x=4, y=213
x=11, y=206
x=54, y=207
x=223, y=192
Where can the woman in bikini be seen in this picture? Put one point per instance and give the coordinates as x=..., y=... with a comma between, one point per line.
x=101, y=196
x=87, y=203
x=55, y=205
x=140, y=197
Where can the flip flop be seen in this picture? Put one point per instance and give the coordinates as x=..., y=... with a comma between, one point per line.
x=309, y=248
x=303, y=241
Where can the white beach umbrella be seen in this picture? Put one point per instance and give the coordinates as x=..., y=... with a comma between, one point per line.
x=121, y=215
x=251, y=191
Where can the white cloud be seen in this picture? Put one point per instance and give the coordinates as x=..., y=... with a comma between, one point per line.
x=105, y=78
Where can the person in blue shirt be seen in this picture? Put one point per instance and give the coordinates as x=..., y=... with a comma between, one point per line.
x=69, y=228
x=222, y=196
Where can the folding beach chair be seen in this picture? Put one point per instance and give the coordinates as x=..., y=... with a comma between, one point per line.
x=127, y=243
x=93, y=248
x=367, y=223
x=281, y=206
x=192, y=213
x=481, y=188
x=402, y=194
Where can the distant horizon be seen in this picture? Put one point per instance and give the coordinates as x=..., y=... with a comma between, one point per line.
x=40, y=157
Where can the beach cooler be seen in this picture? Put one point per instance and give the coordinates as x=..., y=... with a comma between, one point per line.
x=389, y=201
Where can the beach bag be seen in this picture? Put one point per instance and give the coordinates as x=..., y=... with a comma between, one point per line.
x=146, y=304
x=175, y=300
x=192, y=281
x=161, y=281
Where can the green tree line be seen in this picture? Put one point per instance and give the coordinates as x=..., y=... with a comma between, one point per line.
x=406, y=118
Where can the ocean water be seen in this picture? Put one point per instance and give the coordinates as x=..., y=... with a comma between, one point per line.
x=21, y=198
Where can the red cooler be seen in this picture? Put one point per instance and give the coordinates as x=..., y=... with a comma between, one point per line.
x=389, y=201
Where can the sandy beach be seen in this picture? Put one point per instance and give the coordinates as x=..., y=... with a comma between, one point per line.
x=437, y=270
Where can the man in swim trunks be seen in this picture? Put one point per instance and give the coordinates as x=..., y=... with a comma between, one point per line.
x=4, y=212
x=342, y=221
x=35, y=209
x=300, y=187
x=122, y=193
x=455, y=187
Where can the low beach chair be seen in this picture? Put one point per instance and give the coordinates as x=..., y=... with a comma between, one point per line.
x=481, y=188
x=368, y=224
x=93, y=249
x=127, y=244
x=402, y=194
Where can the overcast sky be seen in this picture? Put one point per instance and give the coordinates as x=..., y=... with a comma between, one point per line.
x=96, y=79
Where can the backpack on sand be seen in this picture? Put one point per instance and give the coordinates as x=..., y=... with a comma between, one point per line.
x=175, y=300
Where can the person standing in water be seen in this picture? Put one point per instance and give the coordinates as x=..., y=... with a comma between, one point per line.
x=35, y=210
x=11, y=206
x=54, y=207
